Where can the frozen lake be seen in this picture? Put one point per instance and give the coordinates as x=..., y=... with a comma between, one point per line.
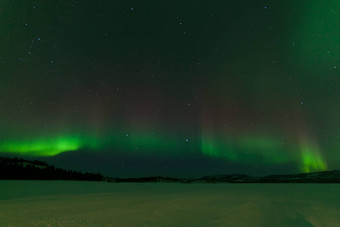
x=62, y=203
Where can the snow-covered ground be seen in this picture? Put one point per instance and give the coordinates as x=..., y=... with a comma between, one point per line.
x=62, y=203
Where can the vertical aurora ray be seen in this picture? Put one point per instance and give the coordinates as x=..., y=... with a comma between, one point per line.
x=264, y=151
x=311, y=159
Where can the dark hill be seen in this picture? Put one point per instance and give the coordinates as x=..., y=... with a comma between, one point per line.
x=20, y=169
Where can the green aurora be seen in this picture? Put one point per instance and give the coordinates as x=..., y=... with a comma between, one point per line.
x=188, y=87
x=266, y=151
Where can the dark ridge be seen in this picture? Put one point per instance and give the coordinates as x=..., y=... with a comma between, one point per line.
x=315, y=177
x=20, y=169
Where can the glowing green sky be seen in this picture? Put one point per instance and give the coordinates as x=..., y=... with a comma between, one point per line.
x=265, y=151
x=179, y=88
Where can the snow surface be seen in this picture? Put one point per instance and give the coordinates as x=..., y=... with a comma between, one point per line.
x=69, y=203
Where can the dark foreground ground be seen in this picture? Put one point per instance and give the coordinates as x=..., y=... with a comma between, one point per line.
x=68, y=203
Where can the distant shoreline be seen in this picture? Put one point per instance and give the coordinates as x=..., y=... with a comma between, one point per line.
x=20, y=169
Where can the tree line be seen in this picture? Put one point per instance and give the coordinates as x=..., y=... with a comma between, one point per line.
x=20, y=169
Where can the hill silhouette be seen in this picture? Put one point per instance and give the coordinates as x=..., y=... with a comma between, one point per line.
x=21, y=169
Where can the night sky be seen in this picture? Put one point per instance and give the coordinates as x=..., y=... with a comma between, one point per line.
x=177, y=88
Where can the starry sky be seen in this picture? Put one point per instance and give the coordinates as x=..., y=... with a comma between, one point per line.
x=178, y=88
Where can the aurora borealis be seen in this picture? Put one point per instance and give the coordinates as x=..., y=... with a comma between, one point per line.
x=179, y=88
